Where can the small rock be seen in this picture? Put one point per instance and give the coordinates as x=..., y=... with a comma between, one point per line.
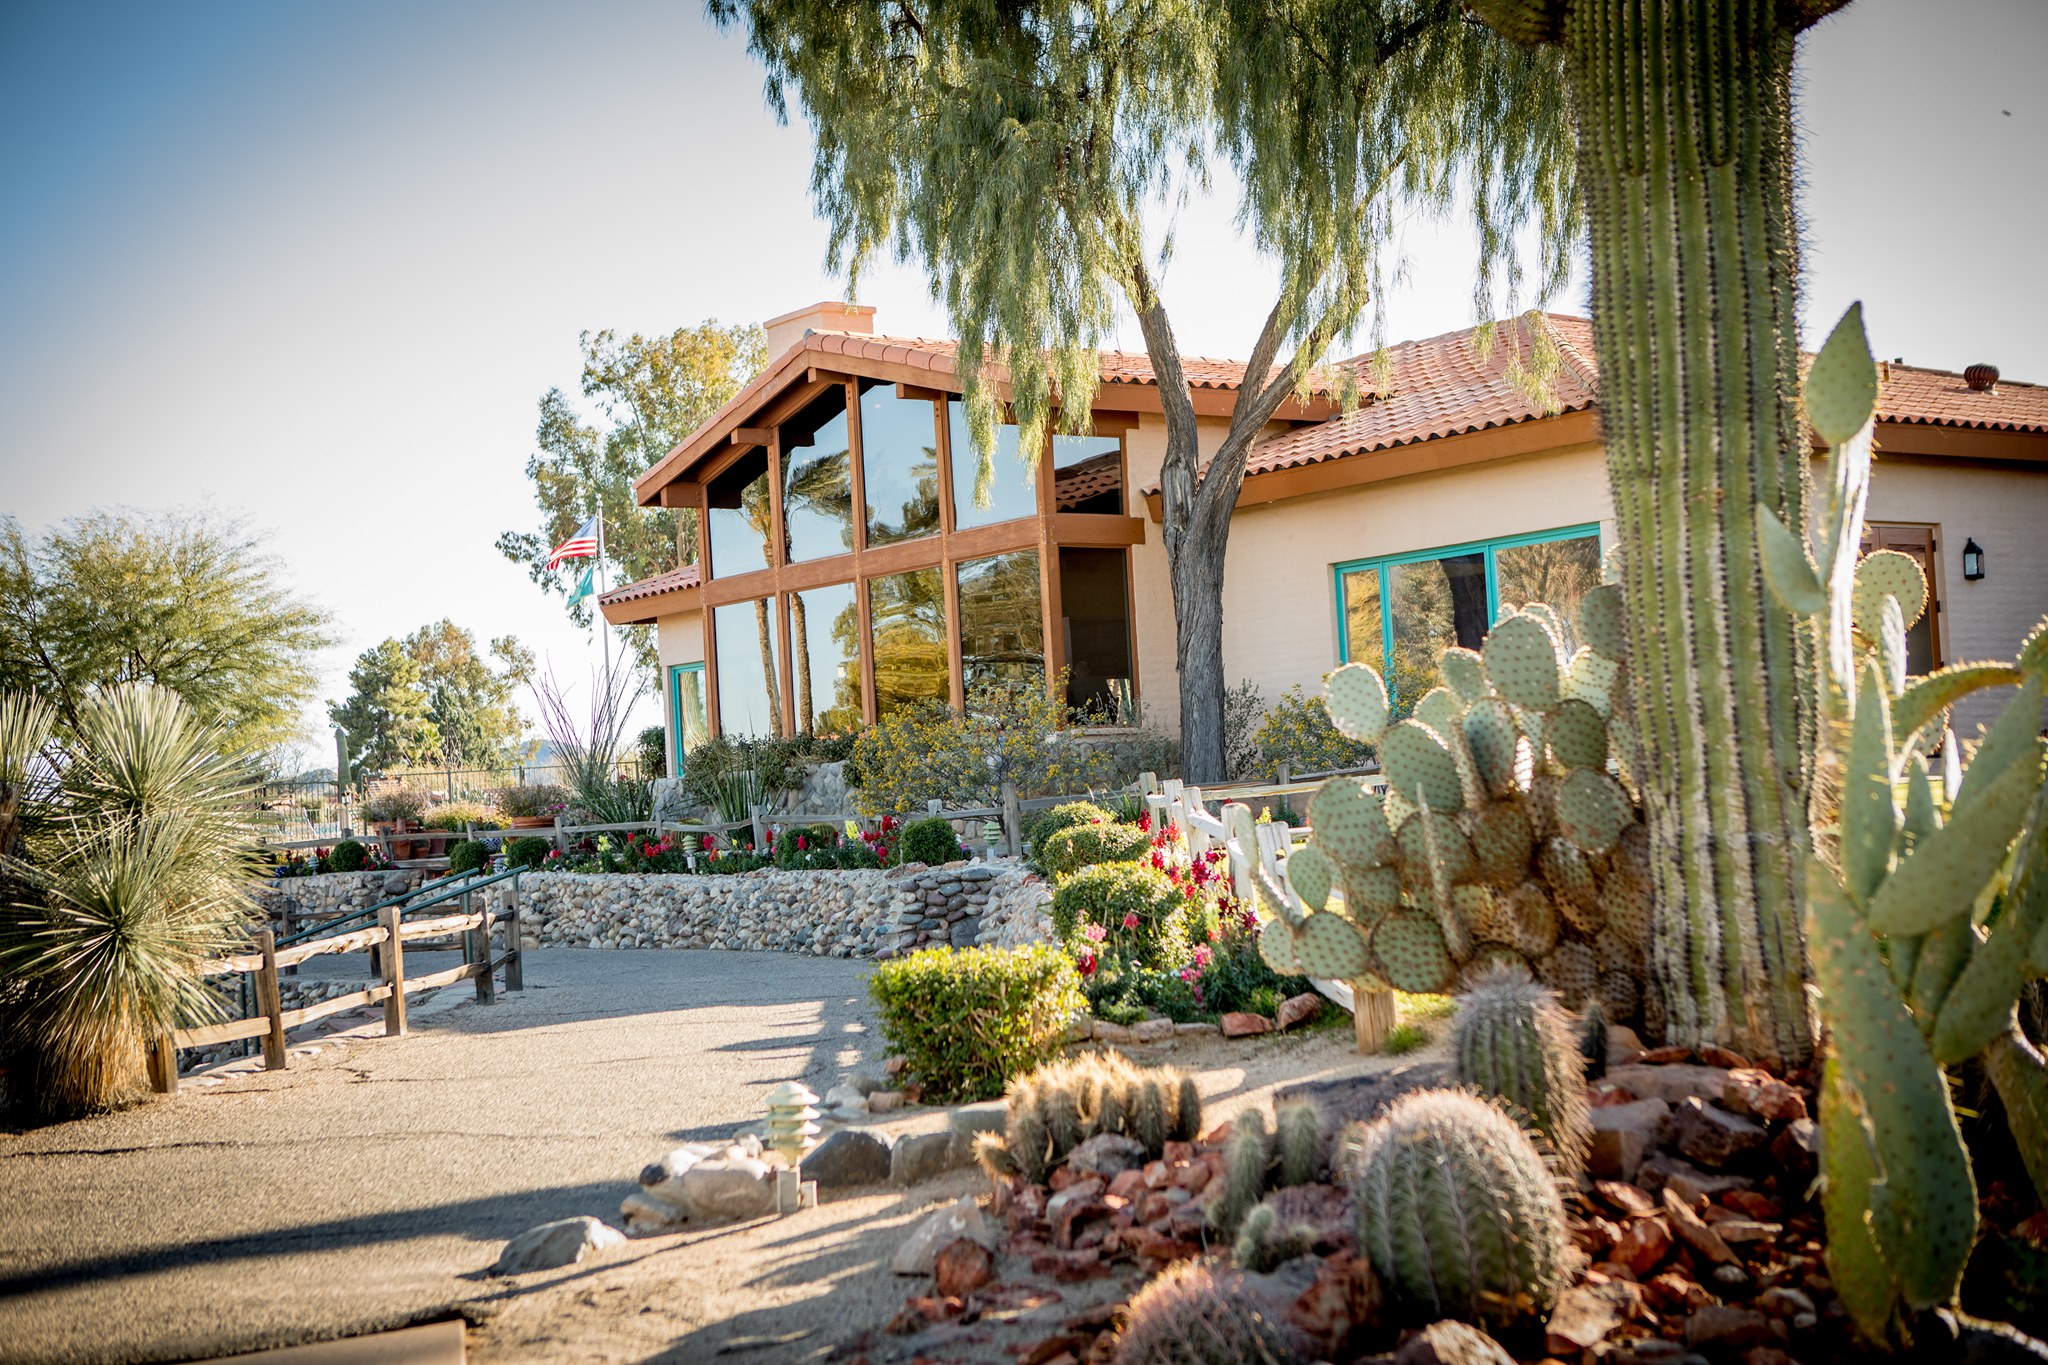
x=1715, y=1055
x=851, y=1156
x=1783, y=1301
x=1451, y=1343
x=554, y=1245
x=1663, y=1056
x=1297, y=1009
x=1711, y=1135
x=1344, y=1298
x=1623, y=1134
x=1107, y=1154
x=1116, y=1034
x=1643, y=1245
x=1737, y=1231
x=1152, y=1030
x=971, y=1120
x=884, y=1101
x=1727, y=1328
x=1690, y=1182
x=1796, y=1150
x=918, y=1253
x=1585, y=1314
x=1673, y=1084
x=1624, y=1199
x=1239, y=1025
x=1622, y=1043
x=961, y=1267
x=1195, y=1030
x=918, y=1157
x=1695, y=1233
x=1760, y=1095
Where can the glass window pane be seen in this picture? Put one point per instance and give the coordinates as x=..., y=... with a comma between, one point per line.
x=908, y=611
x=1364, y=641
x=1012, y=488
x=1095, y=618
x=1088, y=474
x=899, y=464
x=824, y=643
x=1922, y=657
x=817, y=489
x=1556, y=572
x=1437, y=603
x=739, y=516
x=1002, y=631
x=749, y=684
x=687, y=721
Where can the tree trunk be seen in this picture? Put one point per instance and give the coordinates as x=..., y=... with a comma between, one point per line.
x=768, y=678
x=800, y=665
x=1196, y=572
x=1685, y=161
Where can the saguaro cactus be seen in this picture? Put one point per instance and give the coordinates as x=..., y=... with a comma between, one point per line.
x=1684, y=116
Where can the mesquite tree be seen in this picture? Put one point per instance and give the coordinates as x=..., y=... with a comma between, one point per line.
x=1026, y=154
x=1684, y=115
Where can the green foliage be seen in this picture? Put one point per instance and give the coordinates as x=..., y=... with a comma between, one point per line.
x=1014, y=732
x=528, y=852
x=189, y=601
x=1066, y=815
x=1514, y=1043
x=589, y=747
x=929, y=841
x=396, y=803
x=1296, y=731
x=467, y=855
x=1123, y=993
x=649, y=393
x=1135, y=907
x=1078, y=846
x=1457, y=1211
x=348, y=856
x=453, y=815
x=431, y=700
x=652, y=750
x=133, y=879
x=1062, y=1104
x=385, y=716
x=1404, y=1038
x=967, y=1021
x=1195, y=1313
x=531, y=801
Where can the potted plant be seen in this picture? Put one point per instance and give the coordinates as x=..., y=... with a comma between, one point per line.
x=393, y=811
x=533, y=807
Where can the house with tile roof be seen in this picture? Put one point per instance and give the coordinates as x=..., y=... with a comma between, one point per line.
x=854, y=562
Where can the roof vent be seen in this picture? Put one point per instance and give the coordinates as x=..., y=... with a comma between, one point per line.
x=1982, y=378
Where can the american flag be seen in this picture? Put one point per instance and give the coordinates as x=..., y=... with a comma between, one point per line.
x=581, y=545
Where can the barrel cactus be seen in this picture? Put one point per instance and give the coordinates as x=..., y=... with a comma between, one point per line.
x=1514, y=1043
x=1196, y=1315
x=1457, y=1210
x=1054, y=1109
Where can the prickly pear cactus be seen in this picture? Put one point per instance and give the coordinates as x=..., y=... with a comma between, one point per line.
x=1509, y=830
x=1915, y=974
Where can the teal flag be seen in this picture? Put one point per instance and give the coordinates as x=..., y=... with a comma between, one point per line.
x=584, y=587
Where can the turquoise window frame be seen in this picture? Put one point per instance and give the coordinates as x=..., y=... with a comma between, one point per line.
x=675, y=710
x=1582, y=531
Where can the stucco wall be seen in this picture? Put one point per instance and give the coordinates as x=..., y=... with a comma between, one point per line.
x=679, y=640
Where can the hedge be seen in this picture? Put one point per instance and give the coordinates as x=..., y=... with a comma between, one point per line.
x=967, y=1021
x=1079, y=846
x=1141, y=916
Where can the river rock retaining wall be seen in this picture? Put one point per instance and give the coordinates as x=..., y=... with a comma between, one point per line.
x=878, y=914
x=300, y=901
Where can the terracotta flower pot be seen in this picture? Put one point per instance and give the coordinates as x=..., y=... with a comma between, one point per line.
x=533, y=822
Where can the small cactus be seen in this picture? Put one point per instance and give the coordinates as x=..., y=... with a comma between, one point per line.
x=1187, y=1111
x=1054, y=1109
x=1298, y=1142
x=1194, y=1314
x=1267, y=1241
x=1247, y=1165
x=1458, y=1211
x=1513, y=1042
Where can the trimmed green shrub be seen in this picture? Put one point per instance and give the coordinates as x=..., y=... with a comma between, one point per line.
x=1066, y=815
x=1135, y=906
x=528, y=853
x=967, y=1021
x=453, y=815
x=1072, y=849
x=930, y=841
x=467, y=855
x=347, y=856
x=531, y=802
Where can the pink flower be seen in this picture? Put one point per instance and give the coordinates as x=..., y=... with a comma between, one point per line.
x=1094, y=933
x=1131, y=920
x=1203, y=957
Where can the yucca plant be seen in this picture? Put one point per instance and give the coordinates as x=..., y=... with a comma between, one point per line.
x=129, y=871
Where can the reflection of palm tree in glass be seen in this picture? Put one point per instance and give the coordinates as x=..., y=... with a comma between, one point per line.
x=754, y=502
x=1556, y=572
x=821, y=486
x=910, y=638
x=1002, y=634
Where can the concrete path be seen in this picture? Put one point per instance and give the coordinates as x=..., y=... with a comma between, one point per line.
x=371, y=1184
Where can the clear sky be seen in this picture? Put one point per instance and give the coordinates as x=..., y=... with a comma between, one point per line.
x=316, y=263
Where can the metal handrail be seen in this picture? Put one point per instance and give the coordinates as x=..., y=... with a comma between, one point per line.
x=440, y=891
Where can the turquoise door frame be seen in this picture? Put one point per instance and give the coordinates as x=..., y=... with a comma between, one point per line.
x=676, y=728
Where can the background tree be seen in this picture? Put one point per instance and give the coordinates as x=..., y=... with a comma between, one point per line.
x=1684, y=115
x=1019, y=152
x=385, y=716
x=187, y=600
x=433, y=699
x=651, y=392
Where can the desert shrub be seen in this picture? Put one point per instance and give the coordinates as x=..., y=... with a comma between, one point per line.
x=1072, y=849
x=1009, y=732
x=1124, y=994
x=1236, y=978
x=1244, y=709
x=651, y=748
x=347, y=856
x=930, y=841
x=613, y=800
x=717, y=768
x=527, y=853
x=1125, y=910
x=395, y=804
x=1297, y=731
x=530, y=802
x=1066, y=815
x=467, y=855
x=967, y=1021
x=453, y=815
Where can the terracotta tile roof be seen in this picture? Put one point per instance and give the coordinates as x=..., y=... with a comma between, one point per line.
x=1923, y=397
x=672, y=581
x=1090, y=478
x=1118, y=367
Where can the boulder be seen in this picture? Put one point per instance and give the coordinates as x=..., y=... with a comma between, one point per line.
x=970, y=1120
x=1152, y=1030
x=1623, y=1134
x=884, y=1101
x=1106, y=1155
x=1711, y=1135
x=554, y=1245
x=1297, y=1009
x=918, y=1157
x=1238, y=1024
x=918, y=1253
x=726, y=1189
x=962, y=1266
x=851, y=1156
x=1452, y=1343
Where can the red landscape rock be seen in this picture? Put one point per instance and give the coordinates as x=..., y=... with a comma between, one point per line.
x=1624, y=1199
x=1152, y=1245
x=1715, y=1055
x=1643, y=1245
x=1658, y=1055
x=1695, y=1233
x=1585, y=1314
x=1237, y=1025
x=1298, y=1009
x=1129, y=1185
x=963, y=1266
x=1069, y=1266
x=1762, y=1095
x=1723, y=1327
x=1344, y=1298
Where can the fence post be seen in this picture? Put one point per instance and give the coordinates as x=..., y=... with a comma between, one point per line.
x=515, y=951
x=486, y=988
x=1013, y=820
x=163, y=1065
x=1372, y=1017
x=270, y=999
x=393, y=920
x=559, y=843
x=760, y=829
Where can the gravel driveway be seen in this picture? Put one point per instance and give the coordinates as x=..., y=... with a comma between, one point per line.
x=370, y=1183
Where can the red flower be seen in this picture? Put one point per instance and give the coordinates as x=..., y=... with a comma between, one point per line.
x=1145, y=823
x=1131, y=920
x=801, y=842
x=1086, y=962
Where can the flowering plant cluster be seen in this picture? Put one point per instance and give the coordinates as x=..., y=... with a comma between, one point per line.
x=291, y=863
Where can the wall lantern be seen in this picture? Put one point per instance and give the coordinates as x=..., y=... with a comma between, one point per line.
x=1973, y=560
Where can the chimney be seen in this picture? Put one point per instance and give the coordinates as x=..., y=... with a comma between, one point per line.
x=1982, y=378
x=829, y=316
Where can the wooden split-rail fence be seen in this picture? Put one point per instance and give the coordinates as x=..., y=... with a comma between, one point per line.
x=386, y=942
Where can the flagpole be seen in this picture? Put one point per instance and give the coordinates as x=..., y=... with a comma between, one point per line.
x=601, y=622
